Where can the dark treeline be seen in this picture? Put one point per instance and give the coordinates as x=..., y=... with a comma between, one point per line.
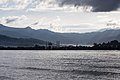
x=112, y=45
x=37, y=47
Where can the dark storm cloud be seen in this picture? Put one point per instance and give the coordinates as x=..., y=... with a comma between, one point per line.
x=98, y=5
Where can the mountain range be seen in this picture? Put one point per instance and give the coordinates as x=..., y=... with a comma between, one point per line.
x=10, y=41
x=64, y=38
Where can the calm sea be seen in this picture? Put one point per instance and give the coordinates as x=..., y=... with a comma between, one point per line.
x=59, y=65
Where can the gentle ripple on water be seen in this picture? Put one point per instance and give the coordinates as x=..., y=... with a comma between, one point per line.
x=60, y=65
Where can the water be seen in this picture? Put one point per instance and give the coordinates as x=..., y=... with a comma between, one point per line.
x=60, y=65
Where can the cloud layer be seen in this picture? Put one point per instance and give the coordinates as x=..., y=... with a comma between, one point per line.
x=12, y=19
x=97, y=5
x=93, y=5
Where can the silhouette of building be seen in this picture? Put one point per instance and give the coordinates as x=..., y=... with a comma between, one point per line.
x=57, y=43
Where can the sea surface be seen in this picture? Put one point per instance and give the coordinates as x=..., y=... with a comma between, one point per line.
x=59, y=65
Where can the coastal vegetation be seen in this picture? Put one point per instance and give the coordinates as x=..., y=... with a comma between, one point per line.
x=112, y=45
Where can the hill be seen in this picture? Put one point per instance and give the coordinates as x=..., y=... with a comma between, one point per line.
x=65, y=38
x=10, y=41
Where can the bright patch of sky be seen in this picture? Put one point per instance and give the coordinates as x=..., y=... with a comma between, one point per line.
x=58, y=16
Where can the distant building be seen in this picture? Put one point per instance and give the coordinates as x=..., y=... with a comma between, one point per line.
x=49, y=45
x=57, y=43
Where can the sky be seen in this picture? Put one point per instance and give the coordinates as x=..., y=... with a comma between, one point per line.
x=61, y=15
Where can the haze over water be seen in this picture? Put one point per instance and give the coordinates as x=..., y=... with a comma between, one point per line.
x=59, y=65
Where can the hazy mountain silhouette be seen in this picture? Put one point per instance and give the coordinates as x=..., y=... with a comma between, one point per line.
x=10, y=41
x=66, y=38
x=42, y=34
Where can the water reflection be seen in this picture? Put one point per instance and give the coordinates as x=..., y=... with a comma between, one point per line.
x=59, y=65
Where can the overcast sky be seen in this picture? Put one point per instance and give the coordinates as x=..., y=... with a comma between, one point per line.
x=61, y=15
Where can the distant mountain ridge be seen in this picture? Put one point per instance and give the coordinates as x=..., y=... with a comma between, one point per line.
x=24, y=42
x=65, y=38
